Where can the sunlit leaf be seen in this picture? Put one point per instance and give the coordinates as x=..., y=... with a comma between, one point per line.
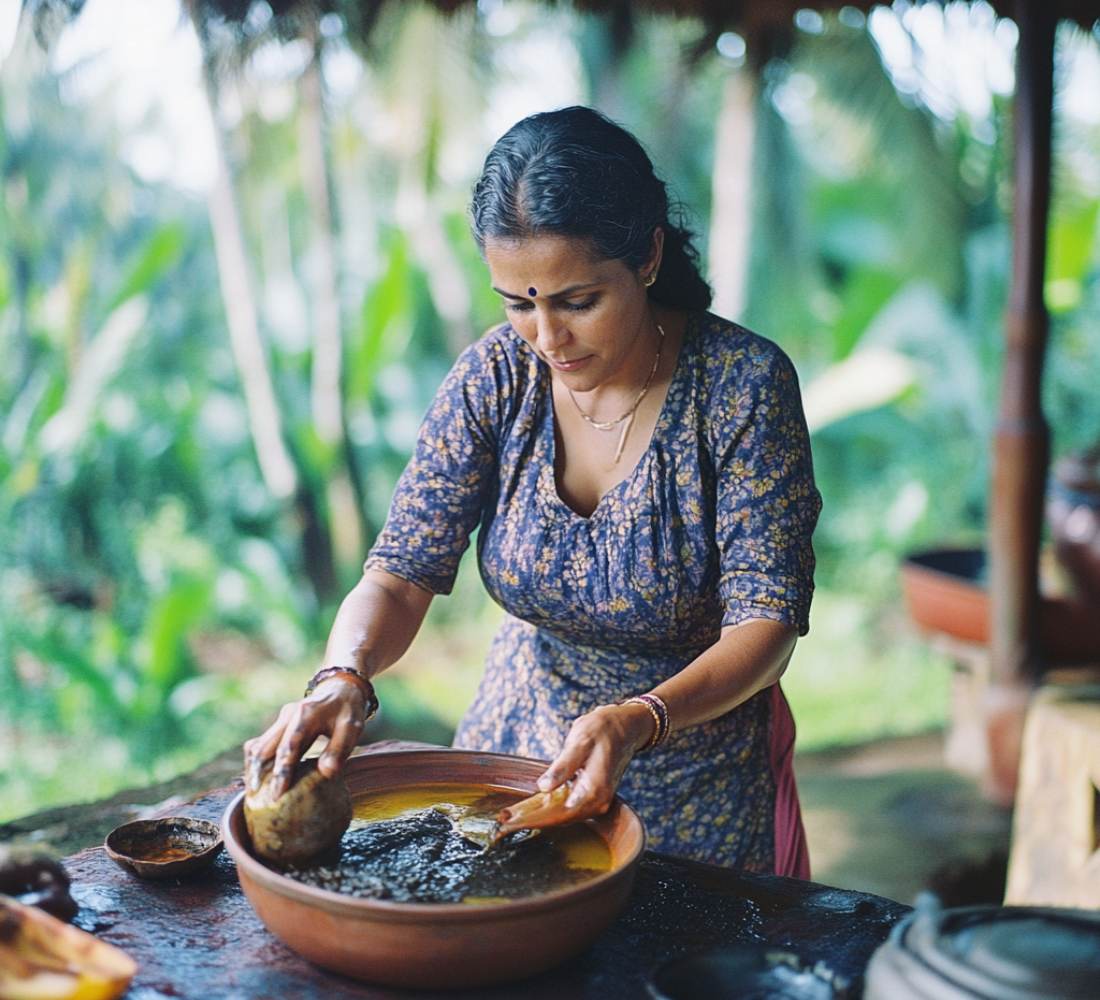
x=385, y=322
x=869, y=378
x=160, y=253
x=865, y=293
x=170, y=619
x=1072, y=248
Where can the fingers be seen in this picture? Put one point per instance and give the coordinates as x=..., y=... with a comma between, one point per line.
x=594, y=757
x=334, y=710
x=586, y=791
x=340, y=744
x=565, y=765
x=301, y=725
x=593, y=787
x=259, y=750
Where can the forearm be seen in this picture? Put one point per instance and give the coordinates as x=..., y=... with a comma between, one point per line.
x=746, y=659
x=376, y=623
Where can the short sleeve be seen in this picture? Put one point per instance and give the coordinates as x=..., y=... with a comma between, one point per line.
x=766, y=502
x=443, y=492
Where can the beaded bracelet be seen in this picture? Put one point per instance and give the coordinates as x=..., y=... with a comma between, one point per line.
x=357, y=678
x=659, y=710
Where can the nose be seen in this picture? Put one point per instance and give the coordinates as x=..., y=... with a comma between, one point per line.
x=550, y=332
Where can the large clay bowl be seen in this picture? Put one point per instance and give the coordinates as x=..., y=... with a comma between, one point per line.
x=439, y=945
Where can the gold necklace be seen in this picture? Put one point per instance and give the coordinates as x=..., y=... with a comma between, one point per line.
x=628, y=415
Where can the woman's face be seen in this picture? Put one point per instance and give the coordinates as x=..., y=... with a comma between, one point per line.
x=588, y=319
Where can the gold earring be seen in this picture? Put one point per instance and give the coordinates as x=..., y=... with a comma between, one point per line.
x=650, y=280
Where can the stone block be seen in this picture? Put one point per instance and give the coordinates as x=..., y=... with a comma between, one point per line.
x=1055, y=857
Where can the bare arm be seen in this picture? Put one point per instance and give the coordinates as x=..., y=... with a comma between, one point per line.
x=746, y=659
x=373, y=627
x=376, y=623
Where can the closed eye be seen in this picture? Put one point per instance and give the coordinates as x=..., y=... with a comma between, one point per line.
x=525, y=306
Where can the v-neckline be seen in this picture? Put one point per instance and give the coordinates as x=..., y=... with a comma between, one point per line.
x=548, y=475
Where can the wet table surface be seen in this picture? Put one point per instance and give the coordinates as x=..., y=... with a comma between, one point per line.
x=199, y=938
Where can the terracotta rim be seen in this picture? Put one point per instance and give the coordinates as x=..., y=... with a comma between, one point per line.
x=417, y=912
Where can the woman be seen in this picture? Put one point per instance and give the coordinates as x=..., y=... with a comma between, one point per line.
x=640, y=473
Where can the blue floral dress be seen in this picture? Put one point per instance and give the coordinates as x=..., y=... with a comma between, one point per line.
x=711, y=528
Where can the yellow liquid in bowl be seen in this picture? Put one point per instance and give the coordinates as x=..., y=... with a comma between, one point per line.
x=583, y=848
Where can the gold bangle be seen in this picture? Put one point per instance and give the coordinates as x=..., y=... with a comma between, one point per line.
x=654, y=739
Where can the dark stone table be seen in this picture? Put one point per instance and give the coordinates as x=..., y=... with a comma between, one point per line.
x=199, y=938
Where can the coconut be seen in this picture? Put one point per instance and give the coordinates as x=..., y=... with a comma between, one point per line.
x=304, y=822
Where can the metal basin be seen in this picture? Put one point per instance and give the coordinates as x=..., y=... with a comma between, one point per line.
x=429, y=945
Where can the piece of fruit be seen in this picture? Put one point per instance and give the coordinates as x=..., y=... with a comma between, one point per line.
x=42, y=958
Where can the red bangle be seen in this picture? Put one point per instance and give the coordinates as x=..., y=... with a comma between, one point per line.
x=355, y=677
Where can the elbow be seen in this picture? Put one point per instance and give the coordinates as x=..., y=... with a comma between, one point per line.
x=782, y=662
x=787, y=641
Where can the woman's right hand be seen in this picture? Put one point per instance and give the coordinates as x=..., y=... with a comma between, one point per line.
x=336, y=709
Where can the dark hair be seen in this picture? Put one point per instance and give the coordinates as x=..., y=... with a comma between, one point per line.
x=576, y=173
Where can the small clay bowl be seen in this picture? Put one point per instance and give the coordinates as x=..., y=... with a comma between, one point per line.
x=164, y=848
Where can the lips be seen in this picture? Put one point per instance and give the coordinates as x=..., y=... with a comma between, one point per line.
x=569, y=366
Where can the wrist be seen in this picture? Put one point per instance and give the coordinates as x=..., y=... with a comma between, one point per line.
x=349, y=677
x=341, y=686
x=639, y=724
x=657, y=710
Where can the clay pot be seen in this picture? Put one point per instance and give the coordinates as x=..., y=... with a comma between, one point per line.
x=164, y=848
x=1073, y=513
x=428, y=945
x=945, y=592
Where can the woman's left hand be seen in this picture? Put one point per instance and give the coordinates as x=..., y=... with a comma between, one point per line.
x=599, y=746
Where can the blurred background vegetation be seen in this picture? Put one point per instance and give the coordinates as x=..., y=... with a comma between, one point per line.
x=234, y=266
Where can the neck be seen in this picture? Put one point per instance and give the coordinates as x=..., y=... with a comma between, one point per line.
x=626, y=418
x=636, y=369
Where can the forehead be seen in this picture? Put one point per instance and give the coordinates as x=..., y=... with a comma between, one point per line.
x=547, y=262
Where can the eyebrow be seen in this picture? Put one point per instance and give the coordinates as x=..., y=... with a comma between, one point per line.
x=571, y=290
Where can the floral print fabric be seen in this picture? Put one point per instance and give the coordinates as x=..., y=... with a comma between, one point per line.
x=711, y=528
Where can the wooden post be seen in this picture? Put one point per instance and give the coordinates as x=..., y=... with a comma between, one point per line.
x=1021, y=448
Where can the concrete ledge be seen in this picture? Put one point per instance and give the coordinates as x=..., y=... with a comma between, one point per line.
x=1055, y=858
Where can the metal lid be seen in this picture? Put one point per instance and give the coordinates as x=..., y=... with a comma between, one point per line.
x=1000, y=953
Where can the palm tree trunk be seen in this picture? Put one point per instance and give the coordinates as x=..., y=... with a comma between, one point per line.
x=731, y=200
x=345, y=493
x=277, y=466
x=264, y=418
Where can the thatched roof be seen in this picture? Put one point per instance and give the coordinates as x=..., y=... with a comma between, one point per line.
x=767, y=26
x=746, y=16
x=751, y=15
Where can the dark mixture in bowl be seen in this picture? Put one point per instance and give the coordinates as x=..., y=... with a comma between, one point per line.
x=420, y=856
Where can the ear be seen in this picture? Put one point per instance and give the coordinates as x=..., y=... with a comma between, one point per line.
x=653, y=262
